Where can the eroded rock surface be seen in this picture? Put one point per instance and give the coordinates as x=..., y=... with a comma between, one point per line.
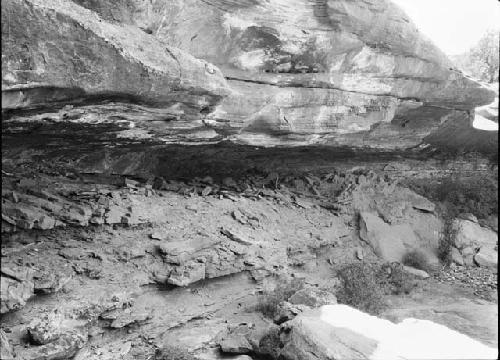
x=340, y=332
x=336, y=73
x=172, y=260
x=69, y=52
x=139, y=219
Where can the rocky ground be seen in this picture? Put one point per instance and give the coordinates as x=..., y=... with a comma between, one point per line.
x=107, y=267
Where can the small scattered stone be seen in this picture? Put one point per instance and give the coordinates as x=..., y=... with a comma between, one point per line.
x=235, y=344
x=156, y=236
x=206, y=191
x=130, y=183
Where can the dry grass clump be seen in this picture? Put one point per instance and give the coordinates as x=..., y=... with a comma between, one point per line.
x=360, y=287
x=363, y=285
x=417, y=260
x=268, y=303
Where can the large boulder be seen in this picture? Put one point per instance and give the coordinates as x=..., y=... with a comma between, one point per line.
x=487, y=257
x=476, y=244
x=385, y=240
x=471, y=234
x=341, y=332
x=394, y=220
x=16, y=288
x=392, y=242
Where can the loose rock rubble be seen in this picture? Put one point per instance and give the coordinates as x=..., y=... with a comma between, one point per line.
x=482, y=281
x=149, y=259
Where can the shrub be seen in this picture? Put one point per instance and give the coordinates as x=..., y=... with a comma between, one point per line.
x=269, y=302
x=417, y=259
x=446, y=241
x=394, y=280
x=360, y=287
x=270, y=344
x=477, y=195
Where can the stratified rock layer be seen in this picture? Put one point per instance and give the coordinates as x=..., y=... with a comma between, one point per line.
x=336, y=73
x=357, y=70
x=57, y=51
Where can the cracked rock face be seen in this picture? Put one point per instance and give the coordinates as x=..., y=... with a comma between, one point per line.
x=68, y=52
x=335, y=73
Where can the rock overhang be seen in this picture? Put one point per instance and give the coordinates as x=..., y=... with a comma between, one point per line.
x=316, y=77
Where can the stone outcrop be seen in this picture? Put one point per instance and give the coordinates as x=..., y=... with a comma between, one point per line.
x=341, y=332
x=471, y=234
x=291, y=73
x=69, y=52
x=394, y=220
x=17, y=287
x=474, y=244
x=487, y=257
x=319, y=67
x=5, y=348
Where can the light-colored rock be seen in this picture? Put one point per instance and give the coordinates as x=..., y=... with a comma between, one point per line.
x=96, y=58
x=308, y=337
x=46, y=329
x=403, y=211
x=487, y=257
x=64, y=347
x=473, y=317
x=468, y=255
x=341, y=332
x=298, y=73
x=16, y=288
x=247, y=337
x=5, y=348
x=180, y=251
x=416, y=272
x=187, y=274
x=278, y=58
x=456, y=256
x=387, y=241
x=129, y=317
x=235, y=344
x=471, y=234
x=468, y=216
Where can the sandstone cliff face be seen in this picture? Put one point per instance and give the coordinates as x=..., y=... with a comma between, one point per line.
x=56, y=51
x=316, y=67
x=338, y=73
